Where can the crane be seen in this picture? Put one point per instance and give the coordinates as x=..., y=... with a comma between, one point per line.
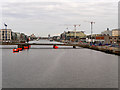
x=74, y=25
x=91, y=22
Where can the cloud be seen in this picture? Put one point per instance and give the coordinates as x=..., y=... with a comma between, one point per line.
x=49, y=14
x=60, y=1
x=54, y=8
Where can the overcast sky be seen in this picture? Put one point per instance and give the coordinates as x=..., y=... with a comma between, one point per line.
x=43, y=17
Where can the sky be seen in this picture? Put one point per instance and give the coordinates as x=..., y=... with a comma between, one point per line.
x=43, y=17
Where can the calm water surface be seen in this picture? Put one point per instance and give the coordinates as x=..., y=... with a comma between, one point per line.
x=65, y=67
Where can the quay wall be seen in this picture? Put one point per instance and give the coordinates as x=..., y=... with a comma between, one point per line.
x=106, y=49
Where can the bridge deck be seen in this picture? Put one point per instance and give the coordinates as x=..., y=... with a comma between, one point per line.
x=54, y=44
x=45, y=44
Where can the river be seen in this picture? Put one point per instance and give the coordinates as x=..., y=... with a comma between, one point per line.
x=65, y=67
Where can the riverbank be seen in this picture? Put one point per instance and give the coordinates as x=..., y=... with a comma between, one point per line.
x=106, y=49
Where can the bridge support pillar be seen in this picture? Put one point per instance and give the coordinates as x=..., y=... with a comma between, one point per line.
x=54, y=46
x=74, y=46
x=27, y=46
x=20, y=46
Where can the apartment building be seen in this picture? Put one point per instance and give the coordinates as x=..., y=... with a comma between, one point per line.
x=5, y=34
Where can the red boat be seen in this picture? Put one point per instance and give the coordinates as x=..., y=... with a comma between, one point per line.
x=16, y=50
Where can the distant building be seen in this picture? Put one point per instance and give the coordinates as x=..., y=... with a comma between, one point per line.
x=18, y=36
x=56, y=38
x=114, y=39
x=22, y=37
x=107, y=32
x=63, y=35
x=71, y=34
x=98, y=38
x=92, y=39
x=33, y=36
x=105, y=39
x=116, y=32
x=79, y=34
x=14, y=36
x=5, y=34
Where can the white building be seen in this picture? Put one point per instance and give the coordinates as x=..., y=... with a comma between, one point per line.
x=116, y=32
x=5, y=34
x=107, y=32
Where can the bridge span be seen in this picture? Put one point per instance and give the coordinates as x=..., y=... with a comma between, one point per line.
x=20, y=45
x=58, y=44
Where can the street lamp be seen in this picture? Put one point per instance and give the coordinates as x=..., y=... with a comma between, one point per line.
x=92, y=30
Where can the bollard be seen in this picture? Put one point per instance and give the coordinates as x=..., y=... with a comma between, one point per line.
x=26, y=46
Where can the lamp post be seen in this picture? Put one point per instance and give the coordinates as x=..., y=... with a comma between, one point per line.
x=5, y=30
x=92, y=30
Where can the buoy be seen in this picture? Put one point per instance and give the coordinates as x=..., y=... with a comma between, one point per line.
x=16, y=50
x=20, y=49
x=56, y=47
x=26, y=47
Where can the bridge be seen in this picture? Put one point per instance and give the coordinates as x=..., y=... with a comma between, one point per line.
x=21, y=45
x=110, y=50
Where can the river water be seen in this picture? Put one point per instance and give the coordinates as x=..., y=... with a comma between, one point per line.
x=45, y=67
